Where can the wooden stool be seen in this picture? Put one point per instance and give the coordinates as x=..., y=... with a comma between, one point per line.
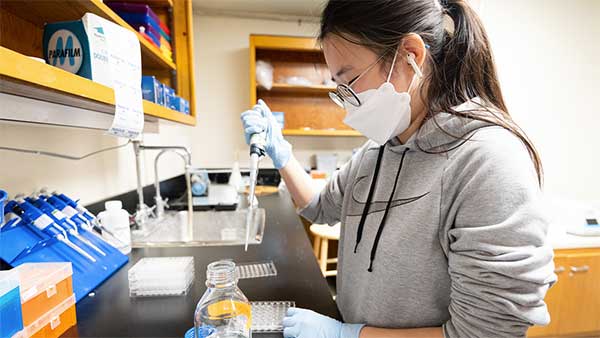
x=323, y=234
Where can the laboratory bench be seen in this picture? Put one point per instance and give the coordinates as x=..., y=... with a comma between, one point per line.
x=560, y=239
x=110, y=312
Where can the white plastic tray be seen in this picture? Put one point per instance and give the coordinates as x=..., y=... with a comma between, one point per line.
x=256, y=270
x=161, y=276
x=268, y=316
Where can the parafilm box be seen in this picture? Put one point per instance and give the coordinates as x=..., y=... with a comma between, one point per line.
x=80, y=47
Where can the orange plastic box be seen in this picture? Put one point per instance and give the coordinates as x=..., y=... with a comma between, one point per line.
x=55, y=322
x=43, y=287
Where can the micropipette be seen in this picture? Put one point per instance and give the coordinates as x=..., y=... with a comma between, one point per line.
x=257, y=151
x=70, y=206
x=62, y=221
x=43, y=222
x=82, y=218
x=65, y=208
x=12, y=217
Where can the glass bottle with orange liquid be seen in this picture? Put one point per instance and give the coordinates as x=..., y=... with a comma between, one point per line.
x=223, y=311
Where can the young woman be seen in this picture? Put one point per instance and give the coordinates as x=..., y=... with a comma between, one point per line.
x=442, y=233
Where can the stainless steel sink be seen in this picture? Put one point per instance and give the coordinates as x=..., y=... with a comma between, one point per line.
x=210, y=228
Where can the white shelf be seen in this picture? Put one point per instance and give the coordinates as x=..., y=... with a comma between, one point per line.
x=18, y=108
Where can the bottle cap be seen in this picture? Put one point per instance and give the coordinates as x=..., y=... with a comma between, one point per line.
x=113, y=205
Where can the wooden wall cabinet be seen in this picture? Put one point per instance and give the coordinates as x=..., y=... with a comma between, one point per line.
x=307, y=108
x=574, y=301
x=31, y=82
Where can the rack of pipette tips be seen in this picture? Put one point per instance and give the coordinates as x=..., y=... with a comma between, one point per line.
x=52, y=227
x=37, y=300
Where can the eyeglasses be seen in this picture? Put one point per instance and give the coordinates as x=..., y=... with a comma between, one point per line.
x=345, y=93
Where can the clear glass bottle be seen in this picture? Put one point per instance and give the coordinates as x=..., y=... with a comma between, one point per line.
x=223, y=311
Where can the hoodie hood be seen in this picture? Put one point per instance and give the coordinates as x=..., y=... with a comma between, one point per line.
x=443, y=131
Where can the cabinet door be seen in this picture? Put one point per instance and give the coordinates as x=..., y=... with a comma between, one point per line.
x=580, y=306
x=553, y=298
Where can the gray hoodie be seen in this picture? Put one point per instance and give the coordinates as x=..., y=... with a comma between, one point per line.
x=456, y=239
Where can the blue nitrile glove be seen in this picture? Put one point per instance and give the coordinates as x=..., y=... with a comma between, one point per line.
x=259, y=119
x=302, y=323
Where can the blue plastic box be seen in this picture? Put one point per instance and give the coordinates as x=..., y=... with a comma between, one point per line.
x=149, y=30
x=186, y=106
x=137, y=19
x=152, y=90
x=182, y=105
x=11, y=319
x=133, y=8
x=138, y=13
x=170, y=99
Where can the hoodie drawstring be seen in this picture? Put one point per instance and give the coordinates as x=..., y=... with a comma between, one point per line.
x=387, y=209
x=365, y=212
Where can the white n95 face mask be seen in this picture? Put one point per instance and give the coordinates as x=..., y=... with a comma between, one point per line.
x=384, y=112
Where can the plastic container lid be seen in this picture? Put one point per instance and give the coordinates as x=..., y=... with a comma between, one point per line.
x=49, y=317
x=8, y=281
x=113, y=205
x=40, y=277
x=11, y=322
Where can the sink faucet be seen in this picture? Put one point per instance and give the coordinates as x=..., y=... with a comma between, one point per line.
x=187, y=158
x=144, y=212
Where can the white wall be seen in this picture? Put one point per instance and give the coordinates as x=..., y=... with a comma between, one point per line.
x=547, y=52
x=91, y=179
x=548, y=64
x=222, y=79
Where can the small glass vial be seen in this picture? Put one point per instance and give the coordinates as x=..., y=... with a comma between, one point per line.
x=223, y=311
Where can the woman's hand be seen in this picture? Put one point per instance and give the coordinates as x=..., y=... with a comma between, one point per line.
x=260, y=119
x=301, y=323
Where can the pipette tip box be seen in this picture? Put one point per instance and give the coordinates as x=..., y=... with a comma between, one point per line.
x=43, y=287
x=11, y=322
x=44, y=304
x=53, y=323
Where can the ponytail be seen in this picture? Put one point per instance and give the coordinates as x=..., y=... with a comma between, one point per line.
x=465, y=69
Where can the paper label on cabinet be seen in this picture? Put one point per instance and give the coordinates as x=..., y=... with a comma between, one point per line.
x=124, y=62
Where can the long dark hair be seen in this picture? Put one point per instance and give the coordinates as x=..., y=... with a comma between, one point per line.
x=459, y=57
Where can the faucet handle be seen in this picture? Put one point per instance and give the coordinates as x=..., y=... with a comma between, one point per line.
x=160, y=203
x=149, y=211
